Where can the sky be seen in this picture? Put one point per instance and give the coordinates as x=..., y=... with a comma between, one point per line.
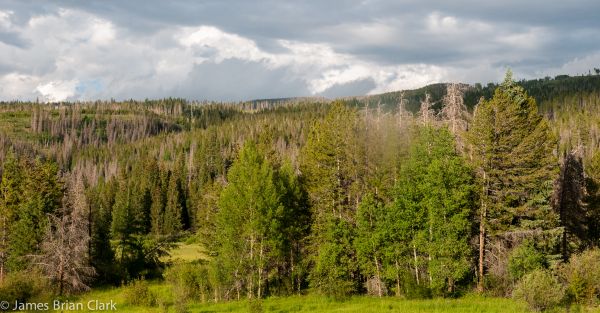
x=240, y=50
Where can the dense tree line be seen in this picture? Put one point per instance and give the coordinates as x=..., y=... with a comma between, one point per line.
x=341, y=198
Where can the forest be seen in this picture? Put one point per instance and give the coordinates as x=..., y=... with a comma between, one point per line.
x=435, y=193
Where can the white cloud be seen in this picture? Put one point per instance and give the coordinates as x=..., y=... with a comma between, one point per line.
x=227, y=45
x=581, y=65
x=57, y=90
x=5, y=22
x=73, y=54
x=14, y=86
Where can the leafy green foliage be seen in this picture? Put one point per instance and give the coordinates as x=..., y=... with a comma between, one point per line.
x=540, y=289
x=435, y=199
x=25, y=287
x=346, y=197
x=250, y=223
x=582, y=276
x=524, y=259
x=330, y=166
x=139, y=293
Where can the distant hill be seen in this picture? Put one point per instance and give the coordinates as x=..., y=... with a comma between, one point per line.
x=541, y=89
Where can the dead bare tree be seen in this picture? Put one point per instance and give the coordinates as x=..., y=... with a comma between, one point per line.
x=402, y=115
x=65, y=256
x=426, y=112
x=455, y=113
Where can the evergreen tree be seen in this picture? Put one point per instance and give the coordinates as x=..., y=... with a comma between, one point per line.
x=592, y=199
x=42, y=195
x=370, y=242
x=296, y=222
x=126, y=229
x=173, y=209
x=511, y=149
x=330, y=163
x=157, y=210
x=569, y=202
x=101, y=253
x=10, y=195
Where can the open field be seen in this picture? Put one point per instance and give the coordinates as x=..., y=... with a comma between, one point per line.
x=184, y=252
x=313, y=303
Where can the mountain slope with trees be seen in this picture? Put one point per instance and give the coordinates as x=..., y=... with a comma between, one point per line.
x=423, y=193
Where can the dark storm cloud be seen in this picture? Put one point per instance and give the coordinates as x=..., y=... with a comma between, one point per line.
x=309, y=20
x=370, y=42
x=13, y=39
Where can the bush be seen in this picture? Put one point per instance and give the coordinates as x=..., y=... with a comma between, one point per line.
x=540, y=289
x=255, y=306
x=582, y=276
x=24, y=287
x=412, y=290
x=524, y=259
x=138, y=293
x=189, y=281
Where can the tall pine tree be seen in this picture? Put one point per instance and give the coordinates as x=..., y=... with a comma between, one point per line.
x=512, y=151
x=331, y=163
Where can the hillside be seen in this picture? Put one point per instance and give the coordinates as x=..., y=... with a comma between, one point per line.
x=284, y=197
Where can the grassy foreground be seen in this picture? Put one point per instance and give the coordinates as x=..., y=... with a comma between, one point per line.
x=369, y=304
x=185, y=252
x=312, y=303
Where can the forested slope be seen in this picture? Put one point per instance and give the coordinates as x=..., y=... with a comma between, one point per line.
x=428, y=192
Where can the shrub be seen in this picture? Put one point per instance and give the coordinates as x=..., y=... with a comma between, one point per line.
x=255, y=306
x=540, y=289
x=138, y=293
x=188, y=281
x=582, y=276
x=24, y=287
x=524, y=259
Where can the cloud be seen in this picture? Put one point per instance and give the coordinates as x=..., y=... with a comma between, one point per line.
x=57, y=90
x=239, y=50
x=357, y=88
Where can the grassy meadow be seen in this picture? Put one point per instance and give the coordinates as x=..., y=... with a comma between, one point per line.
x=312, y=303
x=186, y=252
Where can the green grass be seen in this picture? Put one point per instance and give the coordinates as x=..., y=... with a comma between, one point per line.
x=313, y=303
x=369, y=304
x=184, y=252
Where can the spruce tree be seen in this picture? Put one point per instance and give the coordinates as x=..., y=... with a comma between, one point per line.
x=126, y=228
x=370, y=242
x=330, y=164
x=173, y=210
x=592, y=199
x=569, y=202
x=42, y=195
x=295, y=222
x=10, y=196
x=102, y=256
x=511, y=149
